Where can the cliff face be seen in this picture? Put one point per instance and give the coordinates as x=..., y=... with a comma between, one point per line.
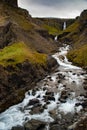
x=11, y=2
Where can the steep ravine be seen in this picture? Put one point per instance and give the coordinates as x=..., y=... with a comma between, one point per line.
x=57, y=102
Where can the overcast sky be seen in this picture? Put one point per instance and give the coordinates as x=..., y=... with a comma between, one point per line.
x=54, y=8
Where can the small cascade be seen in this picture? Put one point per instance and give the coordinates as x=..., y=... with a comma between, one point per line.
x=48, y=127
x=55, y=38
x=64, y=26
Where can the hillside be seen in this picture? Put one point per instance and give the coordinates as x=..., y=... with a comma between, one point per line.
x=75, y=35
x=53, y=25
x=24, y=53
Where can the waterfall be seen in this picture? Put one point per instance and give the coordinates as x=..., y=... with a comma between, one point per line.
x=64, y=26
x=55, y=38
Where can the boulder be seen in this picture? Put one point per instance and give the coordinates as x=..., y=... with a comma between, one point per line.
x=34, y=125
x=33, y=101
x=51, y=98
x=37, y=110
x=56, y=127
x=18, y=128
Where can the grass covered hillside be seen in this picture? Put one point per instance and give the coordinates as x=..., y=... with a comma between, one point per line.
x=53, y=25
x=20, y=52
x=79, y=56
x=76, y=36
x=25, y=49
x=20, y=27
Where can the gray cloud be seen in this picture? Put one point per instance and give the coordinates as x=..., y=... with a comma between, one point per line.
x=54, y=8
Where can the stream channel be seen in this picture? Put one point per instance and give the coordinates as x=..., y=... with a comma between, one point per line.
x=58, y=97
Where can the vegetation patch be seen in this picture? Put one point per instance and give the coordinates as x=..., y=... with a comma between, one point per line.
x=78, y=56
x=52, y=30
x=70, y=32
x=20, y=52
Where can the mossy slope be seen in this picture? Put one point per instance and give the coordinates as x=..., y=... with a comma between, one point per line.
x=20, y=52
x=76, y=36
x=78, y=56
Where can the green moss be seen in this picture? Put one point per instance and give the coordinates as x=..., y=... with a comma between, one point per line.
x=18, y=16
x=71, y=31
x=79, y=56
x=20, y=52
x=73, y=27
x=52, y=30
x=21, y=21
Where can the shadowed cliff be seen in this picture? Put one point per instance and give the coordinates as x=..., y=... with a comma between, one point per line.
x=25, y=53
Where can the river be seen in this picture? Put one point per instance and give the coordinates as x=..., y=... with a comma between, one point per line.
x=65, y=86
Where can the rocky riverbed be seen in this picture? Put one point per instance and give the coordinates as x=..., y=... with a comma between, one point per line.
x=59, y=102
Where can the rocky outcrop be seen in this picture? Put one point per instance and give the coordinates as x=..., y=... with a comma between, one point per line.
x=32, y=125
x=7, y=35
x=15, y=81
x=11, y=2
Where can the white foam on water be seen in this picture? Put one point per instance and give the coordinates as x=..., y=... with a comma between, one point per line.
x=74, y=77
x=79, y=108
x=53, y=78
x=43, y=117
x=68, y=107
x=65, y=63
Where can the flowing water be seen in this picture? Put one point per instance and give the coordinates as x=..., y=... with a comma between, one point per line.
x=64, y=26
x=67, y=78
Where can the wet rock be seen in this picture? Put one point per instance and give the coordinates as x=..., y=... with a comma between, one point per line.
x=38, y=96
x=78, y=104
x=45, y=106
x=61, y=76
x=44, y=88
x=82, y=124
x=74, y=73
x=59, y=81
x=62, y=100
x=73, y=82
x=85, y=83
x=34, y=125
x=52, y=63
x=33, y=92
x=33, y=101
x=84, y=104
x=61, y=57
x=85, y=87
x=57, y=127
x=50, y=93
x=49, y=98
x=37, y=110
x=53, y=114
x=64, y=94
x=64, y=86
x=18, y=128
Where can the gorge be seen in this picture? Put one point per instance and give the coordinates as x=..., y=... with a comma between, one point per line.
x=59, y=96
x=43, y=66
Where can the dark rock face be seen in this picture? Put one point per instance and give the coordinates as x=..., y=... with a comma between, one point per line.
x=18, y=128
x=34, y=125
x=82, y=125
x=7, y=36
x=11, y=2
x=33, y=102
x=14, y=83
